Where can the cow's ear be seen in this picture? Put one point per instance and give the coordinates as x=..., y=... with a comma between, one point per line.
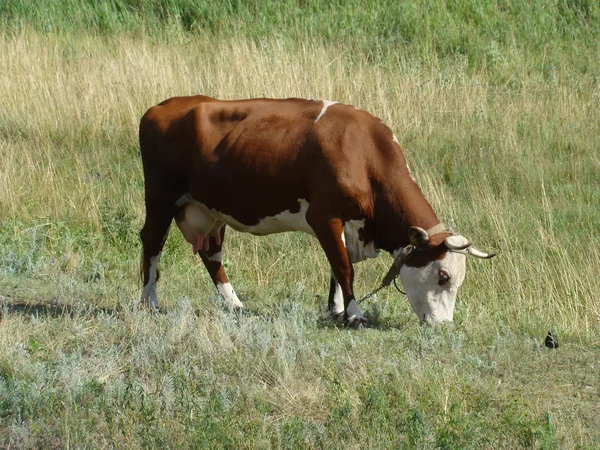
x=418, y=237
x=438, y=239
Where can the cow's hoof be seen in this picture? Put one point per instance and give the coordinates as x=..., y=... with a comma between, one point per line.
x=145, y=305
x=335, y=316
x=357, y=323
x=234, y=307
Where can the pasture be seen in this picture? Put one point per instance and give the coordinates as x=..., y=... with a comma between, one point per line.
x=497, y=107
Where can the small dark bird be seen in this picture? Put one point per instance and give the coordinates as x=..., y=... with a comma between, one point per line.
x=551, y=340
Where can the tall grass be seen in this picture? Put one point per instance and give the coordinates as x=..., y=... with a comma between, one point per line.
x=513, y=169
x=497, y=35
x=501, y=128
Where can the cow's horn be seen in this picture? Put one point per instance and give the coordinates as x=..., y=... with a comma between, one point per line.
x=456, y=243
x=479, y=254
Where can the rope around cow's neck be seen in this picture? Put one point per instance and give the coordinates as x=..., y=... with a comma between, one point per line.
x=393, y=273
x=372, y=293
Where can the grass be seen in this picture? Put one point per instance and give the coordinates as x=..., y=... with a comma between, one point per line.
x=201, y=377
x=500, y=131
x=486, y=33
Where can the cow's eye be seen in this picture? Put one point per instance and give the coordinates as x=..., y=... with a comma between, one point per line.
x=444, y=277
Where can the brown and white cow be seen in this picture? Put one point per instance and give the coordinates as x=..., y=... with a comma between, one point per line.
x=266, y=166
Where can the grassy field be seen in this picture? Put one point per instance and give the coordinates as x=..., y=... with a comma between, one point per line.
x=498, y=108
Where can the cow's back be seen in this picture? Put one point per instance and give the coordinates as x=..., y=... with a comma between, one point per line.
x=256, y=158
x=233, y=152
x=264, y=133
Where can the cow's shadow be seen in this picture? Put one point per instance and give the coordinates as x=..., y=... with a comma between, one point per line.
x=36, y=309
x=375, y=322
x=33, y=308
x=39, y=309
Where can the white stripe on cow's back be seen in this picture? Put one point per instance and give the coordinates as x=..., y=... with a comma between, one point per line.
x=326, y=104
x=395, y=139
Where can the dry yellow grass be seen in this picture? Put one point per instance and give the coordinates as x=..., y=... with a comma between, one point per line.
x=500, y=163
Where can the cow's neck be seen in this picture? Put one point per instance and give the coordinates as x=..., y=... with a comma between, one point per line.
x=398, y=209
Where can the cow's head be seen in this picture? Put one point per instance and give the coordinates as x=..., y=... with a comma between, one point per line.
x=432, y=269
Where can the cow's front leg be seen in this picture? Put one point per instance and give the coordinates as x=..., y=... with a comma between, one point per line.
x=213, y=260
x=330, y=235
x=335, y=304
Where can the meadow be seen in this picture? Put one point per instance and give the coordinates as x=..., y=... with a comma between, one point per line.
x=497, y=105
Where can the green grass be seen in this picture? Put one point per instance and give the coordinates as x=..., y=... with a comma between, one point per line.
x=497, y=105
x=496, y=35
x=285, y=378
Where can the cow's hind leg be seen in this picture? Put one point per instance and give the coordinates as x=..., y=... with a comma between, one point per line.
x=153, y=236
x=213, y=260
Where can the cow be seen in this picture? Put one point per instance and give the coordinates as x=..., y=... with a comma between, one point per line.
x=266, y=166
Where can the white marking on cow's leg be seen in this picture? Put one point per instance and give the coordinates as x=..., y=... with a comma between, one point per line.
x=149, y=296
x=354, y=312
x=229, y=296
x=338, y=299
x=216, y=257
x=226, y=289
x=326, y=104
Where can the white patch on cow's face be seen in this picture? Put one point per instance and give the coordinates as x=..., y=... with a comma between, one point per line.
x=431, y=301
x=357, y=250
x=326, y=104
x=149, y=296
x=229, y=296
